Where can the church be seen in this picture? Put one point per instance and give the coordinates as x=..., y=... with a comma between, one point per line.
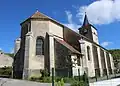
x=44, y=43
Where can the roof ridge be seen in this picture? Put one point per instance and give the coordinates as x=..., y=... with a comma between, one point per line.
x=38, y=14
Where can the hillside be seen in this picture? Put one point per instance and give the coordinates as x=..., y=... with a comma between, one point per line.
x=115, y=53
x=10, y=54
x=5, y=60
x=116, y=56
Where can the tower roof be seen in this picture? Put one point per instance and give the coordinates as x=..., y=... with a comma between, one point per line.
x=37, y=14
x=86, y=22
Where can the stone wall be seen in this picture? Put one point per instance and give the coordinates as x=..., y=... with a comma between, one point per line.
x=108, y=63
x=96, y=60
x=62, y=60
x=19, y=57
x=88, y=64
x=104, y=69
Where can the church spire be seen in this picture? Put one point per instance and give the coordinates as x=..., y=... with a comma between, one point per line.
x=86, y=22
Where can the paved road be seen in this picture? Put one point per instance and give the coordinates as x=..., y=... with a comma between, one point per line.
x=110, y=82
x=13, y=82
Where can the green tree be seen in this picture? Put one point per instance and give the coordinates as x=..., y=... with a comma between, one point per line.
x=116, y=56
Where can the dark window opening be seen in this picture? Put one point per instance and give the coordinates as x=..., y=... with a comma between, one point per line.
x=29, y=27
x=78, y=61
x=39, y=46
x=88, y=52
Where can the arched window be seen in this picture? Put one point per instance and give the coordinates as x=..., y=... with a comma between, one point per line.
x=39, y=46
x=88, y=52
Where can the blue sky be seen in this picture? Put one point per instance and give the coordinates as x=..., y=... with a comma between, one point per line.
x=103, y=14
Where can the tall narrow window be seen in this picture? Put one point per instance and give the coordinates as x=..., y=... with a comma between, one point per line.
x=39, y=46
x=88, y=52
x=78, y=61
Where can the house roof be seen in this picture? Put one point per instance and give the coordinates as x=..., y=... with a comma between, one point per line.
x=5, y=60
x=37, y=14
x=67, y=46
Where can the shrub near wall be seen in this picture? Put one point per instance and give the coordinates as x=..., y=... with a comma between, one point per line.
x=78, y=83
x=59, y=81
x=6, y=72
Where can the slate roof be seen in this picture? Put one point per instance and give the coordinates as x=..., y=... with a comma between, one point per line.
x=86, y=22
x=67, y=46
x=37, y=14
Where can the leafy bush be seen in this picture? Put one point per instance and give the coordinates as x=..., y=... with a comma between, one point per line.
x=47, y=79
x=44, y=73
x=85, y=78
x=60, y=83
x=41, y=79
x=65, y=79
x=10, y=54
x=68, y=80
x=78, y=83
x=77, y=77
x=57, y=79
x=6, y=72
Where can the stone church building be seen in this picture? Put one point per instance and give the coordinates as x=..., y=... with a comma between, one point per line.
x=45, y=44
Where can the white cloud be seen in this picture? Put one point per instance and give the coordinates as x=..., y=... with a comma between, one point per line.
x=69, y=16
x=101, y=12
x=105, y=44
x=71, y=23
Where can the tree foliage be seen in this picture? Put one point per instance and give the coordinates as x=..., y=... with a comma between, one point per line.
x=115, y=53
x=6, y=72
x=116, y=56
x=10, y=54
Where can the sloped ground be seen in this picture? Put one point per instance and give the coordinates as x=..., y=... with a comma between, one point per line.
x=5, y=60
x=111, y=82
x=13, y=82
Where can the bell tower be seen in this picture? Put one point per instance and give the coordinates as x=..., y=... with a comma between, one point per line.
x=89, y=30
